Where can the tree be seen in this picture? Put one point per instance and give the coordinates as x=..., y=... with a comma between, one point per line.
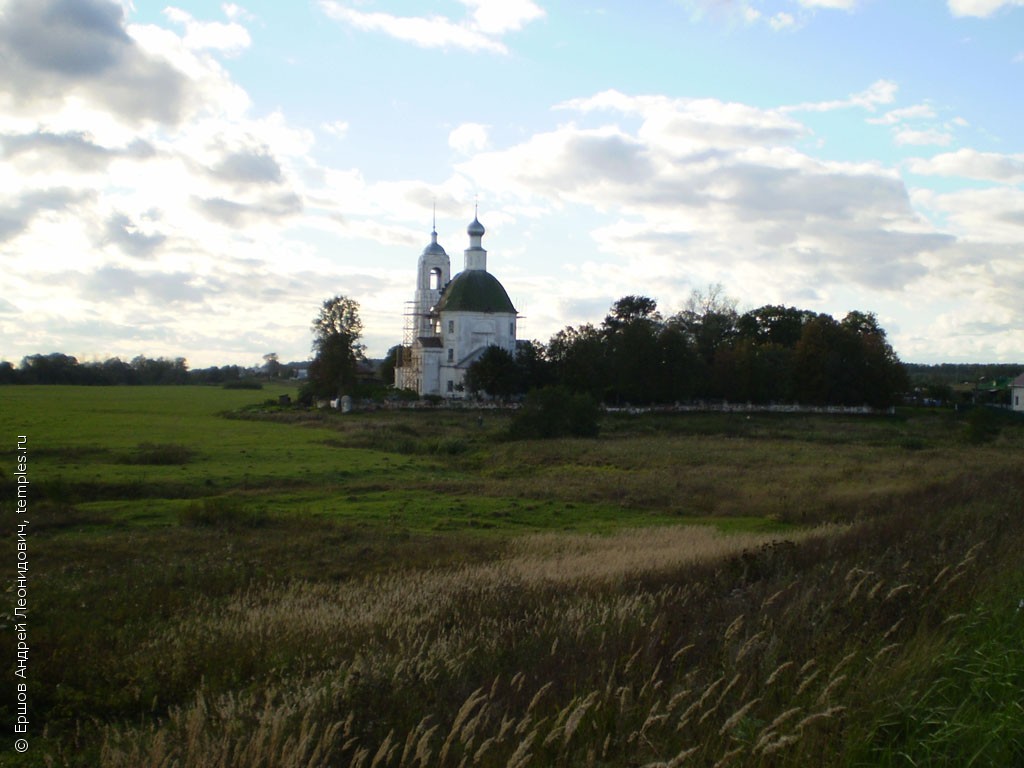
x=55, y=368
x=824, y=364
x=272, y=365
x=631, y=309
x=710, y=321
x=534, y=367
x=160, y=370
x=337, y=351
x=675, y=377
x=774, y=324
x=883, y=377
x=630, y=334
x=494, y=372
x=578, y=358
x=390, y=362
x=847, y=363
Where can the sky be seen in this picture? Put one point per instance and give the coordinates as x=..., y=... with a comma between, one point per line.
x=194, y=180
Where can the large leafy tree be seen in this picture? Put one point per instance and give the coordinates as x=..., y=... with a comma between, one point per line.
x=774, y=324
x=883, y=377
x=709, y=321
x=534, y=367
x=629, y=310
x=495, y=372
x=578, y=358
x=336, y=347
x=847, y=363
x=630, y=334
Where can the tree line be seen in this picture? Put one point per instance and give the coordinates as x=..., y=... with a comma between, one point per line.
x=59, y=368
x=706, y=351
x=636, y=355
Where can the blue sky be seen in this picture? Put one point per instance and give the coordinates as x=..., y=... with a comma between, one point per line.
x=195, y=179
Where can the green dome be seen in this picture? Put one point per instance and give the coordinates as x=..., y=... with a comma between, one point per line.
x=475, y=291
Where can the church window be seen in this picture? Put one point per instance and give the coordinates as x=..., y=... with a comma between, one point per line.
x=451, y=326
x=511, y=329
x=451, y=385
x=435, y=278
x=451, y=355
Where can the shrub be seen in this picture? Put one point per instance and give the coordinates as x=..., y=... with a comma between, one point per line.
x=159, y=454
x=555, y=412
x=221, y=512
x=243, y=384
x=452, y=446
x=983, y=425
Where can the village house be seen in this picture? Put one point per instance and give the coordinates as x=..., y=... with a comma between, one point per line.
x=1017, y=393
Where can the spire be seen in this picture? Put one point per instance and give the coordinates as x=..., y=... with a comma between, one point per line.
x=476, y=256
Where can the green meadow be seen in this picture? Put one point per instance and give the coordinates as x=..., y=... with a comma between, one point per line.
x=216, y=580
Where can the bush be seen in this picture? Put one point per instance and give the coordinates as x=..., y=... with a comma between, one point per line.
x=221, y=512
x=243, y=384
x=983, y=425
x=555, y=412
x=452, y=446
x=159, y=454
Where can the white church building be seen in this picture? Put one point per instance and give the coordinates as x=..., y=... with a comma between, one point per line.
x=453, y=320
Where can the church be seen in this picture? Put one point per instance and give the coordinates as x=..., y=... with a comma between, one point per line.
x=451, y=321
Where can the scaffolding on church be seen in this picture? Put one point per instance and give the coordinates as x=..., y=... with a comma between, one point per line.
x=409, y=366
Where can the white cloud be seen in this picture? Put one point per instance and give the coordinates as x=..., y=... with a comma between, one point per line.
x=433, y=32
x=842, y=5
x=878, y=93
x=742, y=11
x=236, y=12
x=782, y=20
x=705, y=188
x=994, y=215
x=230, y=39
x=909, y=126
x=58, y=56
x=469, y=138
x=929, y=137
x=981, y=8
x=971, y=164
x=488, y=21
x=497, y=17
x=685, y=124
x=135, y=148
x=916, y=112
x=338, y=128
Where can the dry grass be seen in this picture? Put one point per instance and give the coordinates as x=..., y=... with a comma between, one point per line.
x=660, y=647
x=377, y=636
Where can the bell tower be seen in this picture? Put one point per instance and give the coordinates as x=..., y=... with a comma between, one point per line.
x=433, y=274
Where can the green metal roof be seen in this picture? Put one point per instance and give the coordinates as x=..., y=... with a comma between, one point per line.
x=475, y=290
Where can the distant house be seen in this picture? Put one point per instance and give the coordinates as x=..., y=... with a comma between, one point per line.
x=1017, y=393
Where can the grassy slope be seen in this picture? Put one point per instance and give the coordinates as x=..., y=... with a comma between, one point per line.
x=135, y=614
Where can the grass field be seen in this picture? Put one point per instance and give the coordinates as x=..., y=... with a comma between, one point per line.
x=219, y=582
